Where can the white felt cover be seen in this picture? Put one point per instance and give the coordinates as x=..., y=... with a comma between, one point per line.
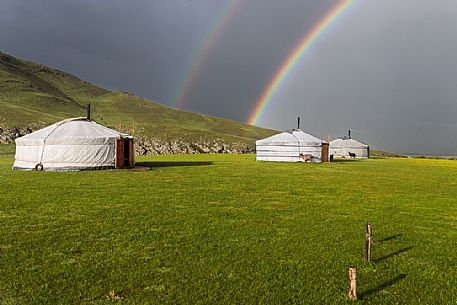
x=289, y=146
x=70, y=144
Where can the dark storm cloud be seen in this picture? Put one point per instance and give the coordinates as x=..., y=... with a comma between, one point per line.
x=140, y=46
x=387, y=69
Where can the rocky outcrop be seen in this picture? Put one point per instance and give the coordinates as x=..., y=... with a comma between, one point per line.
x=7, y=135
x=152, y=146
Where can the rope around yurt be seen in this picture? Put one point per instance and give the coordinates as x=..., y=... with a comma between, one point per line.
x=39, y=166
x=298, y=141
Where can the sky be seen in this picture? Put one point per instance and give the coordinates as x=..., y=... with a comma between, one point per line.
x=386, y=69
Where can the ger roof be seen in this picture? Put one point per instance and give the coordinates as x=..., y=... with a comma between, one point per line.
x=291, y=138
x=347, y=142
x=71, y=131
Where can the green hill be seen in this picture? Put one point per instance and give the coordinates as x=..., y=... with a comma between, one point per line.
x=36, y=94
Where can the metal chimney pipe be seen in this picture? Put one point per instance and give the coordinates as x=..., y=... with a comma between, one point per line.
x=298, y=122
x=88, y=111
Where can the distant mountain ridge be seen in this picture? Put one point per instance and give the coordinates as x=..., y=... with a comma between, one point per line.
x=35, y=95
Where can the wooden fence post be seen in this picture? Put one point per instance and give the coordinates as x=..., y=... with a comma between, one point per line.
x=352, y=283
x=367, y=256
x=370, y=231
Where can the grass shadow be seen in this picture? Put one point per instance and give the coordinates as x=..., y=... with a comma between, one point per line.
x=402, y=250
x=342, y=160
x=381, y=287
x=173, y=163
x=388, y=238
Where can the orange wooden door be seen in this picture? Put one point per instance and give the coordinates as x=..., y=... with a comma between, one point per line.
x=119, y=153
x=324, y=157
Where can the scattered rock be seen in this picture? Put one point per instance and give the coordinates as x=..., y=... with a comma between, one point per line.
x=7, y=135
x=151, y=146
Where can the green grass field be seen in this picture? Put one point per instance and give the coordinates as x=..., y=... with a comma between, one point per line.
x=225, y=229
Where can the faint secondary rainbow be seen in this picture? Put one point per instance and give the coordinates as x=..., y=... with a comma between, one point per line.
x=292, y=60
x=199, y=57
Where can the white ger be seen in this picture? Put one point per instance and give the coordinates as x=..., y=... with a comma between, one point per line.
x=292, y=146
x=74, y=144
x=346, y=148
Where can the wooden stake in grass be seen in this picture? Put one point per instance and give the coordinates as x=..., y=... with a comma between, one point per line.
x=368, y=242
x=370, y=231
x=352, y=283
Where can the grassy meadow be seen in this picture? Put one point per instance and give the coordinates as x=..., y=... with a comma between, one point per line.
x=225, y=229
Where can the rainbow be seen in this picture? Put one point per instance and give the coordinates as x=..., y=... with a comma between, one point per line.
x=197, y=61
x=292, y=60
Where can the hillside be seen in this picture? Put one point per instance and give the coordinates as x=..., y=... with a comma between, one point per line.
x=36, y=95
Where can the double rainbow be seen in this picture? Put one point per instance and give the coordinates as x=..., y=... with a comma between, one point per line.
x=292, y=60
